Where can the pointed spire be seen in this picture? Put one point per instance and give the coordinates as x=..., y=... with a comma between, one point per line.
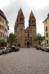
x=32, y=15
x=20, y=10
x=32, y=20
x=20, y=13
x=20, y=18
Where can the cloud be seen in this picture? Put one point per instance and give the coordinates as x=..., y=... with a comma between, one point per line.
x=38, y=4
x=4, y=3
x=40, y=9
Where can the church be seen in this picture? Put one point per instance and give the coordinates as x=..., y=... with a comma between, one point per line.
x=25, y=36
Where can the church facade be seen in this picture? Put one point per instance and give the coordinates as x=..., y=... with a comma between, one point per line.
x=25, y=36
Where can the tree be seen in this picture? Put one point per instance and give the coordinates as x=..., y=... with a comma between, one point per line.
x=2, y=43
x=39, y=39
x=11, y=39
x=19, y=45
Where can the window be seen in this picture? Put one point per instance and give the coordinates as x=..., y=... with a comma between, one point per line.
x=0, y=26
x=0, y=19
x=33, y=21
x=0, y=34
x=47, y=41
x=21, y=20
x=46, y=28
x=21, y=14
x=46, y=34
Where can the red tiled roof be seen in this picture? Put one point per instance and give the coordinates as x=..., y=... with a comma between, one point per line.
x=28, y=29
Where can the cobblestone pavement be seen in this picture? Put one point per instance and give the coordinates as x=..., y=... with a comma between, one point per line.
x=26, y=61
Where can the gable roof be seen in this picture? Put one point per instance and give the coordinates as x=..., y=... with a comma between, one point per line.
x=46, y=18
x=28, y=29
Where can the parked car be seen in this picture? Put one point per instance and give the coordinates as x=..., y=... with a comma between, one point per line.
x=45, y=48
x=9, y=49
x=38, y=47
x=17, y=48
x=4, y=50
x=13, y=48
x=42, y=48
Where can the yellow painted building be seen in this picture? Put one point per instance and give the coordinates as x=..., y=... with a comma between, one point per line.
x=46, y=30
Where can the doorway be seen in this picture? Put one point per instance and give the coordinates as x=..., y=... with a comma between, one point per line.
x=28, y=44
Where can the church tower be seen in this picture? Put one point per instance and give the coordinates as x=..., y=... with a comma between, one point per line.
x=19, y=28
x=20, y=20
x=32, y=26
x=32, y=21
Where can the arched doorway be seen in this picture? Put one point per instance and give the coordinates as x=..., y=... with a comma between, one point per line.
x=28, y=44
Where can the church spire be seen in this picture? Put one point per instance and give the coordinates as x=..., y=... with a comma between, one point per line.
x=20, y=12
x=32, y=20
x=20, y=19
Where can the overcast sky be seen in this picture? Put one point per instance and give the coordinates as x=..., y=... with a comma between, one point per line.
x=40, y=9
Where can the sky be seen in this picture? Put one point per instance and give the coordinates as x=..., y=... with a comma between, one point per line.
x=40, y=9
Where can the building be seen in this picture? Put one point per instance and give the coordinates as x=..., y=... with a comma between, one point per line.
x=3, y=26
x=46, y=29
x=25, y=36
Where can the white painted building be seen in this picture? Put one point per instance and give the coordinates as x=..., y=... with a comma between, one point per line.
x=3, y=26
